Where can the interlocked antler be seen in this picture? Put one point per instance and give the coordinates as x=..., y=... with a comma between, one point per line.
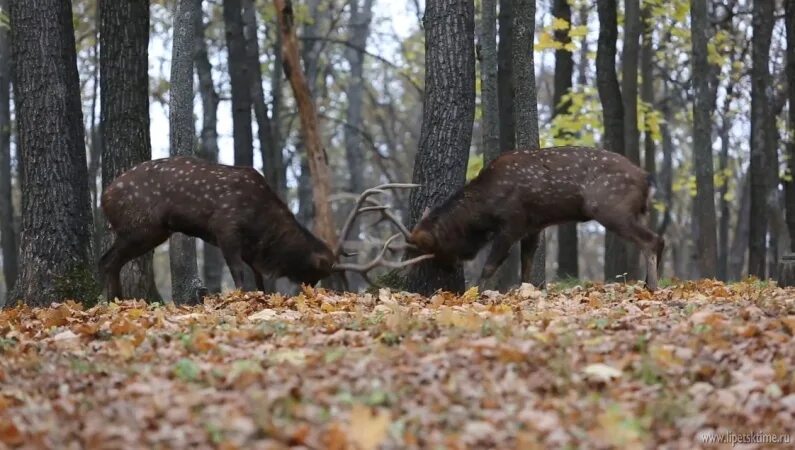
x=386, y=214
x=379, y=260
x=385, y=211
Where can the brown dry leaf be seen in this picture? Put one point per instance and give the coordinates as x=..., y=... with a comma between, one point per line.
x=334, y=438
x=368, y=428
x=121, y=326
x=9, y=433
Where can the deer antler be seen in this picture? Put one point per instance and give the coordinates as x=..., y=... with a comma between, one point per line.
x=385, y=211
x=379, y=260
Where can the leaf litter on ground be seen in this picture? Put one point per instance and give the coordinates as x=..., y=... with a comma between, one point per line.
x=602, y=366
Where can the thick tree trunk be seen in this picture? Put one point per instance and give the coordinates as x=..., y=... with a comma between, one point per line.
x=508, y=273
x=185, y=283
x=272, y=159
x=213, y=261
x=760, y=152
x=789, y=20
x=124, y=114
x=505, y=89
x=8, y=235
x=316, y=154
x=630, y=59
x=613, y=114
x=524, y=82
x=704, y=203
x=240, y=81
x=568, y=266
x=448, y=115
x=55, y=252
x=489, y=73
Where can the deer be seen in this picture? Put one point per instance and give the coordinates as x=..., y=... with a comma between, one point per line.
x=524, y=191
x=232, y=208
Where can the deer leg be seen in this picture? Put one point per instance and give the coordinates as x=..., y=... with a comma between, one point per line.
x=234, y=260
x=124, y=249
x=650, y=244
x=500, y=248
x=529, y=244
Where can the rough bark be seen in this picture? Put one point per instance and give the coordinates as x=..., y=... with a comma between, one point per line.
x=630, y=60
x=760, y=152
x=568, y=266
x=55, y=251
x=124, y=115
x=316, y=154
x=704, y=203
x=185, y=283
x=213, y=261
x=488, y=81
x=789, y=21
x=8, y=235
x=524, y=82
x=448, y=115
x=613, y=115
x=272, y=159
x=505, y=90
x=240, y=81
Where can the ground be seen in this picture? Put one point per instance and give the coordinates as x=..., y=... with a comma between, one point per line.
x=583, y=367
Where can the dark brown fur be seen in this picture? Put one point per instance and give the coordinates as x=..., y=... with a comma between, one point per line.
x=230, y=207
x=522, y=192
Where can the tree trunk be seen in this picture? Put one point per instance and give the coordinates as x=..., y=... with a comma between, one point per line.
x=568, y=266
x=272, y=159
x=704, y=203
x=276, y=109
x=124, y=115
x=760, y=153
x=505, y=89
x=8, y=235
x=213, y=261
x=316, y=154
x=508, y=273
x=185, y=283
x=241, y=81
x=725, y=207
x=309, y=56
x=647, y=95
x=613, y=114
x=742, y=232
x=489, y=73
x=448, y=115
x=354, y=154
x=55, y=252
x=630, y=59
x=524, y=82
x=789, y=186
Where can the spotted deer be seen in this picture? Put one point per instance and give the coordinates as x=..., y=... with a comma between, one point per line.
x=522, y=192
x=232, y=208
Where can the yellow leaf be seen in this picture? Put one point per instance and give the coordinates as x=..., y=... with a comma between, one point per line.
x=470, y=295
x=368, y=429
x=559, y=24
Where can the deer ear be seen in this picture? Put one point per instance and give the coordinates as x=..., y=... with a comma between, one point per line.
x=425, y=213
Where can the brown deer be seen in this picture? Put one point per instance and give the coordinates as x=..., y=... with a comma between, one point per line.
x=230, y=207
x=522, y=192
